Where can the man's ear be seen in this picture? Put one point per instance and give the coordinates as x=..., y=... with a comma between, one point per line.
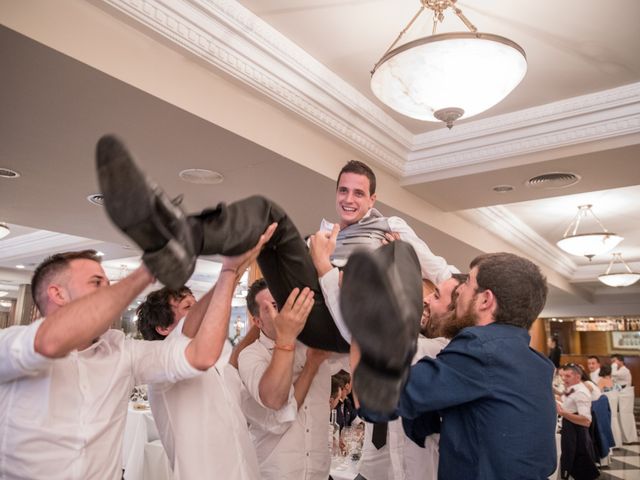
x=487, y=301
x=164, y=331
x=373, y=199
x=58, y=295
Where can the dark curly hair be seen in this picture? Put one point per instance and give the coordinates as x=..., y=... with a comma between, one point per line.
x=156, y=311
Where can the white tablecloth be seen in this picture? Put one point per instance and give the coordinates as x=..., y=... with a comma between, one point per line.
x=140, y=435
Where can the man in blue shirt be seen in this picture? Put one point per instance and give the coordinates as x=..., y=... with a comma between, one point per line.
x=492, y=391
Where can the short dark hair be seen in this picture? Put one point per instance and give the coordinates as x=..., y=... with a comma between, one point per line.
x=343, y=377
x=255, y=288
x=460, y=278
x=605, y=371
x=51, y=267
x=594, y=357
x=618, y=356
x=517, y=284
x=156, y=311
x=360, y=168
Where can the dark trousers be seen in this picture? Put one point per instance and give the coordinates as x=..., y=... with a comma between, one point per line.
x=285, y=261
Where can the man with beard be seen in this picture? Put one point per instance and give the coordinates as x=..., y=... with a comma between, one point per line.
x=490, y=388
x=396, y=456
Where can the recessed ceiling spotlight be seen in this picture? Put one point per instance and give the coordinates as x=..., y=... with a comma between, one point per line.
x=201, y=176
x=20, y=266
x=8, y=173
x=553, y=180
x=3, y=293
x=99, y=254
x=96, y=199
x=503, y=188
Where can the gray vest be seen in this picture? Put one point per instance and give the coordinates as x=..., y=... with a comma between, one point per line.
x=368, y=233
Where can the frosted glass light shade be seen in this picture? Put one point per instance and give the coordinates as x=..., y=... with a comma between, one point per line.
x=619, y=279
x=462, y=70
x=589, y=244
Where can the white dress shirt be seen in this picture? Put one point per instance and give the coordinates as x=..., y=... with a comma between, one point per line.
x=291, y=443
x=202, y=427
x=400, y=458
x=432, y=267
x=578, y=401
x=64, y=418
x=621, y=375
x=595, y=376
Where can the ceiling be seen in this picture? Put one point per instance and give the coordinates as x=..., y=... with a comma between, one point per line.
x=56, y=102
x=574, y=47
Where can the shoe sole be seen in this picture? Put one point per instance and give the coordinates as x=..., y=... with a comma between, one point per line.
x=128, y=194
x=140, y=209
x=384, y=320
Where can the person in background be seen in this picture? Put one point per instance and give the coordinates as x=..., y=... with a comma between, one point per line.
x=594, y=390
x=593, y=364
x=578, y=455
x=619, y=372
x=345, y=408
x=555, y=351
x=605, y=382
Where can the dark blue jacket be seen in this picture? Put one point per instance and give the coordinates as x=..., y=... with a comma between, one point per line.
x=495, y=398
x=601, y=422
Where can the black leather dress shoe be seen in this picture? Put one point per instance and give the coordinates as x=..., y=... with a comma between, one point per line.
x=141, y=210
x=381, y=302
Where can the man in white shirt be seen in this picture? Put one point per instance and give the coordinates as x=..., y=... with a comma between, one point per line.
x=199, y=420
x=593, y=364
x=576, y=401
x=287, y=390
x=619, y=372
x=65, y=379
x=577, y=452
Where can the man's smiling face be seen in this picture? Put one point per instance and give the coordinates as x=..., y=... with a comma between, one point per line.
x=353, y=198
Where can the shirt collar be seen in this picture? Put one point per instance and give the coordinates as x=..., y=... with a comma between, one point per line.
x=266, y=341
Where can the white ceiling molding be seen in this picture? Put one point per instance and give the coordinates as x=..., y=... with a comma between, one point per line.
x=606, y=115
x=231, y=38
x=40, y=242
x=500, y=221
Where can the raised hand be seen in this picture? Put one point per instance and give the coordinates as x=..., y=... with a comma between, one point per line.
x=321, y=246
x=290, y=321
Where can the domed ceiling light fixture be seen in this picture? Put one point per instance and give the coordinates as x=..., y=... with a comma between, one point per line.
x=620, y=279
x=587, y=244
x=448, y=76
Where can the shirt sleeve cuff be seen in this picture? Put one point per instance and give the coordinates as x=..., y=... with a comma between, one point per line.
x=24, y=353
x=183, y=369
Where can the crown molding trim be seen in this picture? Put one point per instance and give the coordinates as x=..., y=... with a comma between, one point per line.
x=231, y=38
x=605, y=115
x=500, y=221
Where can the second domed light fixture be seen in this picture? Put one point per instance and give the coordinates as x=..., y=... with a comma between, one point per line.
x=587, y=244
x=448, y=76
